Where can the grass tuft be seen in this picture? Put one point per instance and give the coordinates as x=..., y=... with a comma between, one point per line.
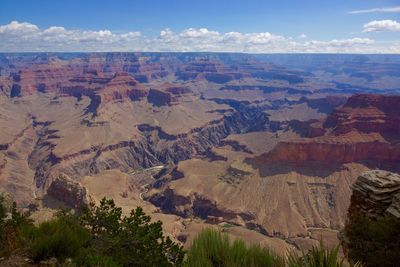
x=213, y=248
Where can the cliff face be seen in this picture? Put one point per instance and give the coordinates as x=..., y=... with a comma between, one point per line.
x=367, y=114
x=365, y=129
x=119, y=87
x=375, y=200
x=375, y=193
x=332, y=151
x=68, y=191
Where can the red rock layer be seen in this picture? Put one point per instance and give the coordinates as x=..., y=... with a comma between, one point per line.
x=367, y=128
x=367, y=114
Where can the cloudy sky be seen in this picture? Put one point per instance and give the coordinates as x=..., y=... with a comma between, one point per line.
x=252, y=26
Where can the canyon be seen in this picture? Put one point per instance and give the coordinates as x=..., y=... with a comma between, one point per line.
x=265, y=147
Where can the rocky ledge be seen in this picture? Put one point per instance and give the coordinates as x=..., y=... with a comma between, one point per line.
x=376, y=193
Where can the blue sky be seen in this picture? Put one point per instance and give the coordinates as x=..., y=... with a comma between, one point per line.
x=259, y=26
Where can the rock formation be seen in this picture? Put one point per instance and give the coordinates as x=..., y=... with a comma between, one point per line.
x=68, y=191
x=375, y=194
x=365, y=129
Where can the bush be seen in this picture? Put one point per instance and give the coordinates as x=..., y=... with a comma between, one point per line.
x=61, y=238
x=211, y=248
x=12, y=226
x=375, y=242
x=129, y=240
x=99, y=236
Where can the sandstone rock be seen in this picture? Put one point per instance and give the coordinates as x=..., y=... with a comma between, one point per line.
x=394, y=208
x=118, y=87
x=364, y=130
x=68, y=191
x=376, y=193
x=367, y=113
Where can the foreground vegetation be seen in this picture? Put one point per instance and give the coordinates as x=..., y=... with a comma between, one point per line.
x=98, y=236
x=375, y=242
x=102, y=236
x=212, y=248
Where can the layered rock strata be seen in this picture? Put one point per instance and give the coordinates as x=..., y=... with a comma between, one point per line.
x=366, y=129
x=376, y=193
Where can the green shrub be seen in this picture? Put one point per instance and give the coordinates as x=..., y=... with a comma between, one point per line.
x=100, y=236
x=61, y=238
x=375, y=242
x=129, y=240
x=12, y=226
x=212, y=248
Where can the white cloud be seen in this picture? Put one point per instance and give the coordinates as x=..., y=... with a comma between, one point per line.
x=303, y=36
x=353, y=45
x=199, y=33
x=351, y=42
x=394, y=9
x=130, y=35
x=54, y=30
x=263, y=38
x=19, y=37
x=165, y=33
x=23, y=36
x=382, y=25
x=14, y=27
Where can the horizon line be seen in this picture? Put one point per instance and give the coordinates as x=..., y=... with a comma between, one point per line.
x=197, y=52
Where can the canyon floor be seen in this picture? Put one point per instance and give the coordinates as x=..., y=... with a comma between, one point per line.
x=263, y=147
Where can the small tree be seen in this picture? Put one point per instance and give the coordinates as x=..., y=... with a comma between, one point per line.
x=130, y=240
x=12, y=223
